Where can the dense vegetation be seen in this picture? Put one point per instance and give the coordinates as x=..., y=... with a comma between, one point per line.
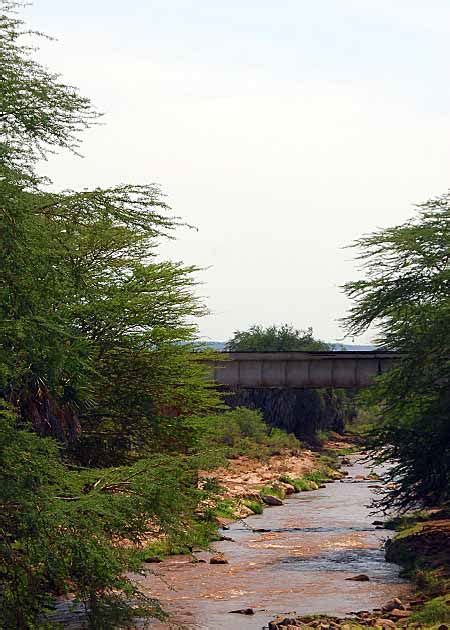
x=309, y=413
x=99, y=389
x=406, y=295
x=274, y=338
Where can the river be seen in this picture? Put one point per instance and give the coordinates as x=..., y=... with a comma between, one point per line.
x=314, y=542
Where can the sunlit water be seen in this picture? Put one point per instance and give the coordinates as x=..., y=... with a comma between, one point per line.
x=315, y=541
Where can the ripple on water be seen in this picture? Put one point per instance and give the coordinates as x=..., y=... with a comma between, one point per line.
x=368, y=561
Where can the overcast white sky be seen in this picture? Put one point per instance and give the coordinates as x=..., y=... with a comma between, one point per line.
x=282, y=129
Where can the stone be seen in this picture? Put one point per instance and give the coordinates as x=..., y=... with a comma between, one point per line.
x=289, y=621
x=384, y=623
x=243, y=511
x=276, y=624
x=270, y=499
x=258, y=530
x=400, y=614
x=377, y=523
x=226, y=538
x=288, y=488
x=359, y=578
x=391, y=604
x=243, y=611
x=152, y=560
x=218, y=559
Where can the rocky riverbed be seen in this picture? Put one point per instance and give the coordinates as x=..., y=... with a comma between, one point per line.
x=300, y=558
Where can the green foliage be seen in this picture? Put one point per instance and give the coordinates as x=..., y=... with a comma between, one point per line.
x=254, y=506
x=434, y=612
x=242, y=431
x=406, y=295
x=274, y=339
x=306, y=483
x=317, y=476
x=60, y=528
x=95, y=357
x=37, y=111
x=322, y=437
x=302, y=412
x=200, y=533
x=431, y=582
x=405, y=521
x=274, y=490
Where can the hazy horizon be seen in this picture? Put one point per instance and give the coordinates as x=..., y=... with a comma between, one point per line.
x=282, y=131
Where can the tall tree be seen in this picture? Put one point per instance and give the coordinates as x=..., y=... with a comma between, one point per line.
x=95, y=335
x=406, y=295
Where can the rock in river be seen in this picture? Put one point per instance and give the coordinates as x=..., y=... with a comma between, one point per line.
x=359, y=578
x=270, y=499
x=243, y=611
x=218, y=559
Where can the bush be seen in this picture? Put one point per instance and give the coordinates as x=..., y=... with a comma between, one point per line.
x=242, y=431
x=62, y=529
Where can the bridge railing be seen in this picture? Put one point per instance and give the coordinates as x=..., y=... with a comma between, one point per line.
x=301, y=370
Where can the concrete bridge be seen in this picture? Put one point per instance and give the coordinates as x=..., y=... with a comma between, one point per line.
x=301, y=370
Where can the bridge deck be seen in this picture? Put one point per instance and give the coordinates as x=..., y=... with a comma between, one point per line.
x=302, y=370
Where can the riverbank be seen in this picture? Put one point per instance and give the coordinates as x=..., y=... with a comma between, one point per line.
x=249, y=485
x=422, y=547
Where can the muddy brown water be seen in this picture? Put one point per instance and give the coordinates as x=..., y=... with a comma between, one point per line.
x=315, y=541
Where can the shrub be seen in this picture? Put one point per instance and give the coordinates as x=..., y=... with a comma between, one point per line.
x=242, y=431
x=61, y=528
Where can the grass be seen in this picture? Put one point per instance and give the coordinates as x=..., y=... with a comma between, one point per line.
x=305, y=483
x=200, y=534
x=405, y=522
x=276, y=491
x=254, y=506
x=318, y=476
x=329, y=458
x=434, y=612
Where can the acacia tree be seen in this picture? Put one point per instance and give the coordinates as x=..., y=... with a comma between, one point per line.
x=94, y=355
x=406, y=294
x=274, y=339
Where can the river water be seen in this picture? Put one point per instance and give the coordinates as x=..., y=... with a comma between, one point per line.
x=314, y=542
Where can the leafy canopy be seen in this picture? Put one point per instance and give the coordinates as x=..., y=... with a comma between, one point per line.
x=274, y=339
x=95, y=357
x=406, y=294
